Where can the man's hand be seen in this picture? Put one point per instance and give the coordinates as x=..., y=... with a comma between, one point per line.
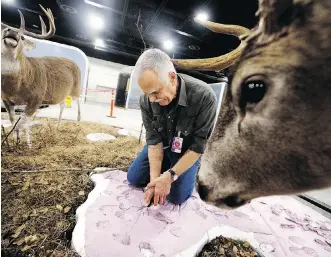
x=161, y=187
x=148, y=195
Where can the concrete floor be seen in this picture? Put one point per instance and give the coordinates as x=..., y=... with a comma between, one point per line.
x=321, y=195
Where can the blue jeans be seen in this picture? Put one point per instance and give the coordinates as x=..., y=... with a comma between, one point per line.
x=181, y=189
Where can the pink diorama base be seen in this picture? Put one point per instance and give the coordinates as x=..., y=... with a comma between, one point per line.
x=114, y=221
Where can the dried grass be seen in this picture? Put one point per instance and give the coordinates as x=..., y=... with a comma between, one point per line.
x=38, y=209
x=67, y=147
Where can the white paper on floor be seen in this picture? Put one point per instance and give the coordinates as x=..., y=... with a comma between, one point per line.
x=114, y=221
x=5, y=123
x=123, y=132
x=100, y=137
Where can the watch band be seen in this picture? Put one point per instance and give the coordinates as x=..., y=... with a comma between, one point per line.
x=173, y=174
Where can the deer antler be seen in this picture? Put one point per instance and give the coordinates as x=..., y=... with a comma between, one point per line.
x=43, y=35
x=43, y=26
x=51, y=31
x=269, y=11
x=220, y=62
x=22, y=26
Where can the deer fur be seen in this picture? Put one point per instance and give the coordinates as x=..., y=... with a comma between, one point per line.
x=45, y=80
x=34, y=81
x=280, y=145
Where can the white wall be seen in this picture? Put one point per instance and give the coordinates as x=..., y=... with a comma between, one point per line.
x=102, y=75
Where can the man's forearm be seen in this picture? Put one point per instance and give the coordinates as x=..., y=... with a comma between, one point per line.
x=186, y=162
x=155, y=157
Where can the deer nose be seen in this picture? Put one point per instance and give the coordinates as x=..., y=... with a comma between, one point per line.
x=234, y=201
x=203, y=191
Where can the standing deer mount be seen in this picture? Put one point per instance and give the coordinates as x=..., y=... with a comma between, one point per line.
x=34, y=81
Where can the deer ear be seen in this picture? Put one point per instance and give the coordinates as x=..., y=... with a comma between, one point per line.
x=275, y=15
x=28, y=45
x=3, y=26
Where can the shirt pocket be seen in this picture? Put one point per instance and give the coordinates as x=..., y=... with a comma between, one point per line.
x=158, y=123
x=188, y=119
x=186, y=132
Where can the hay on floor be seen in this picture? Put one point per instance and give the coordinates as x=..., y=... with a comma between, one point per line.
x=67, y=147
x=38, y=209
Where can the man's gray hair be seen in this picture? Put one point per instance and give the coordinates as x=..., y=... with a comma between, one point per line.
x=156, y=60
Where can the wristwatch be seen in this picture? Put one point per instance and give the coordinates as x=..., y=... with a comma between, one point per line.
x=173, y=174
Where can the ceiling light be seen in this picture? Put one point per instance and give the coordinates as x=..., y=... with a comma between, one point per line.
x=8, y=1
x=202, y=16
x=168, y=44
x=99, y=42
x=96, y=22
x=194, y=47
x=96, y=4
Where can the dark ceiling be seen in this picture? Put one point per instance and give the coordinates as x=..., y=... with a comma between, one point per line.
x=159, y=19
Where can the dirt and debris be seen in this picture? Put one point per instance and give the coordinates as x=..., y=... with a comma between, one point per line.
x=226, y=247
x=38, y=209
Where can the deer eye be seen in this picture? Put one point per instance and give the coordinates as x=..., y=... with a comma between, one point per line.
x=22, y=37
x=252, y=92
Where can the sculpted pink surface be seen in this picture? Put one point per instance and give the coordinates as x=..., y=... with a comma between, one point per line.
x=115, y=222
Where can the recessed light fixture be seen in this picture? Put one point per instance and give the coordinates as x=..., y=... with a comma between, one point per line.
x=96, y=22
x=99, y=42
x=96, y=4
x=8, y=1
x=168, y=44
x=202, y=16
x=194, y=47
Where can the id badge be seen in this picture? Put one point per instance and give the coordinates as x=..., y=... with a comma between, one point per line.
x=177, y=144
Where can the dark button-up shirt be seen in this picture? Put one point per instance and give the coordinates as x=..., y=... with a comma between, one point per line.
x=192, y=115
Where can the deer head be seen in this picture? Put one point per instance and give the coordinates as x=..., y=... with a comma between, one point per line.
x=273, y=135
x=14, y=41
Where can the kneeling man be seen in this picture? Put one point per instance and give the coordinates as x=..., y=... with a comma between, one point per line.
x=178, y=112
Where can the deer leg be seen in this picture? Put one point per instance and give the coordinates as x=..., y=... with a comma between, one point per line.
x=27, y=134
x=17, y=134
x=78, y=104
x=30, y=109
x=20, y=125
x=11, y=111
x=60, y=116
